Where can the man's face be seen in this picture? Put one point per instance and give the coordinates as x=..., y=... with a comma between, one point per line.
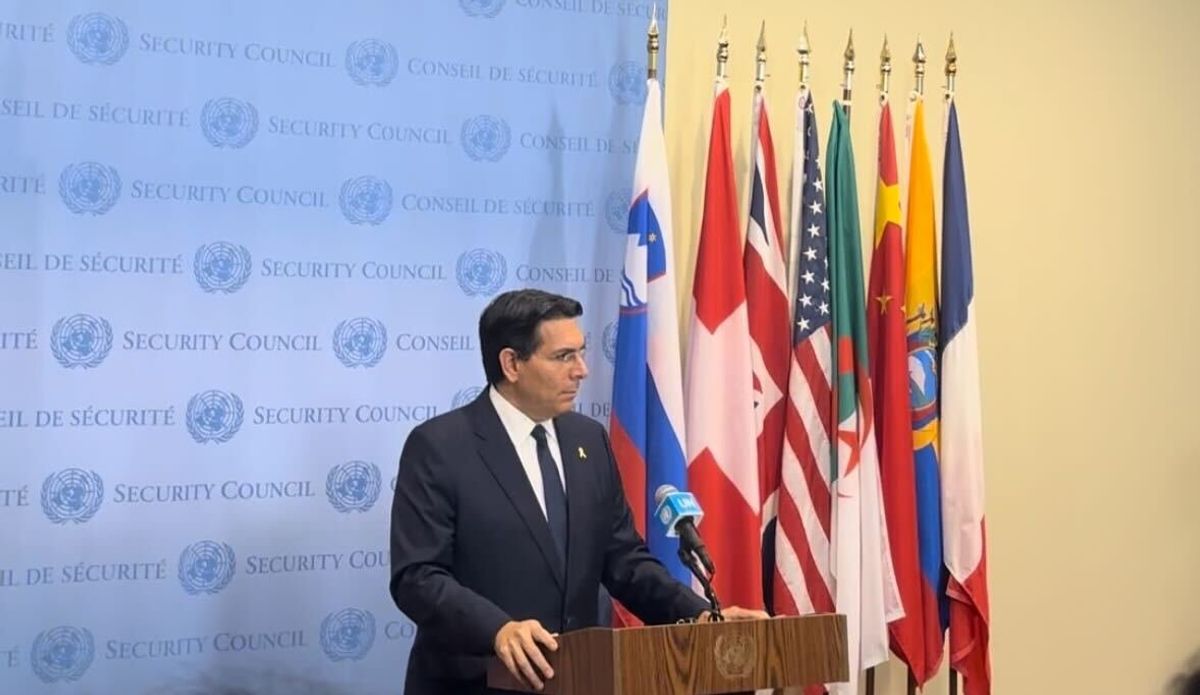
x=545, y=385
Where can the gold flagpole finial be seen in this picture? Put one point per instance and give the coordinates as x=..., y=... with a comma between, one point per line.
x=885, y=70
x=804, y=48
x=723, y=49
x=760, y=58
x=951, y=68
x=919, y=66
x=652, y=45
x=848, y=71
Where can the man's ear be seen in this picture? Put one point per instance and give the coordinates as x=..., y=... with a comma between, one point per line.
x=508, y=363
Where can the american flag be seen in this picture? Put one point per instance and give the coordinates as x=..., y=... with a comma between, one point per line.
x=802, y=581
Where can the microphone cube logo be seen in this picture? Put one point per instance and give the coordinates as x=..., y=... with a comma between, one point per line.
x=372, y=62
x=206, y=567
x=221, y=267
x=72, y=495
x=62, y=653
x=486, y=138
x=81, y=341
x=627, y=83
x=366, y=200
x=89, y=188
x=360, y=342
x=481, y=8
x=481, y=272
x=347, y=634
x=228, y=122
x=353, y=486
x=97, y=39
x=214, y=416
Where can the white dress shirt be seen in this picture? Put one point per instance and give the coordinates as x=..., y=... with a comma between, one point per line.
x=520, y=430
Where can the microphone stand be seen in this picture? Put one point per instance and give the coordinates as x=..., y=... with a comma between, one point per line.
x=689, y=559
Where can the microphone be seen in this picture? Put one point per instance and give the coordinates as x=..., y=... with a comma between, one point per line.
x=679, y=512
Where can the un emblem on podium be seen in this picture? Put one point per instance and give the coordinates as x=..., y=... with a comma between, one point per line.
x=486, y=138
x=81, y=340
x=62, y=653
x=735, y=655
x=347, y=634
x=97, y=39
x=366, y=200
x=206, y=567
x=481, y=272
x=353, y=486
x=89, y=188
x=214, y=416
x=372, y=62
x=221, y=267
x=72, y=495
x=229, y=122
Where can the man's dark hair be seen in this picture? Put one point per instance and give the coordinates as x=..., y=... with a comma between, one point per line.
x=512, y=320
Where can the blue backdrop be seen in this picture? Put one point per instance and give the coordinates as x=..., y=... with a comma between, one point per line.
x=244, y=250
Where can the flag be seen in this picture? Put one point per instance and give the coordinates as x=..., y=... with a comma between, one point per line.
x=889, y=376
x=647, y=426
x=801, y=578
x=864, y=583
x=921, y=308
x=962, y=439
x=718, y=397
x=770, y=319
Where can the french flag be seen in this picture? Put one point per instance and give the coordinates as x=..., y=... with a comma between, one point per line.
x=647, y=415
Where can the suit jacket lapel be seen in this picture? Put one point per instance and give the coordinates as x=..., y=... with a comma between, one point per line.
x=574, y=460
x=498, y=454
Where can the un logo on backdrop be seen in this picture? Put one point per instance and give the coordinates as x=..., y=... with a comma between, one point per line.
x=206, y=567
x=97, y=39
x=465, y=396
x=372, y=62
x=348, y=634
x=616, y=209
x=353, y=486
x=62, y=653
x=89, y=187
x=366, y=200
x=72, y=495
x=360, y=342
x=214, y=416
x=481, y=272
x=221, y=267
x=609, y=342
x=81, y=340
x=481, y=8
x=486, y=138
x=627, y=83
x=229, y=122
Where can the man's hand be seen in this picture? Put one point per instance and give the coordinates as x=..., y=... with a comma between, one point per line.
x=735, y=613
x=517, y=646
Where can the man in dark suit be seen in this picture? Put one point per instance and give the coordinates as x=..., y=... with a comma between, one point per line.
x=509, y=513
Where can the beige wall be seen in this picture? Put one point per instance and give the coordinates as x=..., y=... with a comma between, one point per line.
x=1079, y=123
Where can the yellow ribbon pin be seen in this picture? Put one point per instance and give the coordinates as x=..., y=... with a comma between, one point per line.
x=582, y=453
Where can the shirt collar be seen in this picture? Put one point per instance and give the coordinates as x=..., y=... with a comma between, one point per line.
x=518, y=425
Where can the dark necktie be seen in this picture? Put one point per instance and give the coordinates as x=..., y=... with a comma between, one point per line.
x=552, y=489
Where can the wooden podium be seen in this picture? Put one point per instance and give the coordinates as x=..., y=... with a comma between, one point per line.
x=694, y=658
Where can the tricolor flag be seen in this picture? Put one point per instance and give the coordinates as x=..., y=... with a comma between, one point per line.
x=962, y=438
x=647, y=425
x=718, y=389
x=770, y=318
x=802, y=580
x=889, y=372
x=864, y=582
x=921, y=304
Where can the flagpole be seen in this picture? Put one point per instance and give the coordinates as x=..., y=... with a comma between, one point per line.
x=919, y=67
x=652, y=46
x=951, y=74
x=723, y=50
x=848, y=71
x=803, y=49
